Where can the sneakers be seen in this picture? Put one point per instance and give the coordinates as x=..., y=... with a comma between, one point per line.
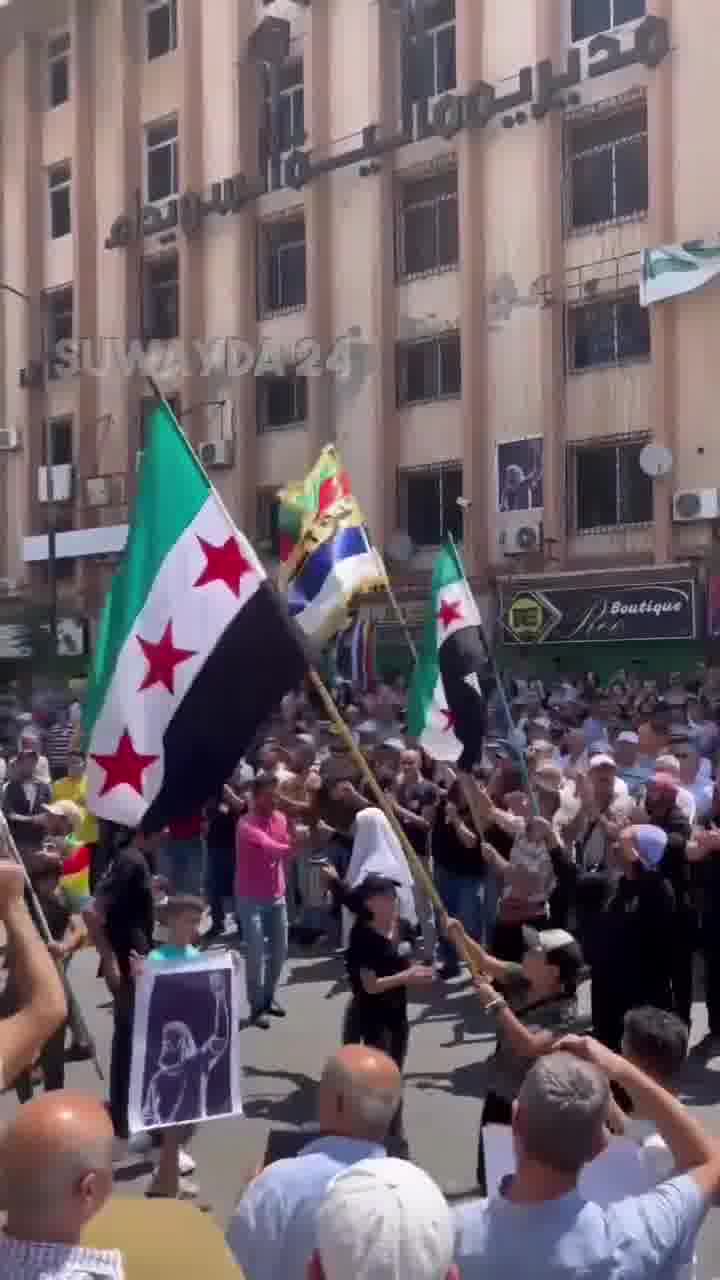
x=260, y=1019
x=186, y=1164
x=276, y=1010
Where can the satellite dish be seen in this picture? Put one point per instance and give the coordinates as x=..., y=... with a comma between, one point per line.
x=656, y=461
x=400, y=547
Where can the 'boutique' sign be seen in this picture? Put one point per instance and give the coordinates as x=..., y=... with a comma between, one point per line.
x=539, y=90
x=596, y=615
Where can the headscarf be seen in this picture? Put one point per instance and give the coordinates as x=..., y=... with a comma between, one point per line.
x=376, y=848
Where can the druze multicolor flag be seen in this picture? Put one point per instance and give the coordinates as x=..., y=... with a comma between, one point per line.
x=328, y=560
x=446, y=706
x=75, y=877
x=195, y=649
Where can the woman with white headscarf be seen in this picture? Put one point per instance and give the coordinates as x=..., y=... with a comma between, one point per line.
x=377, y=849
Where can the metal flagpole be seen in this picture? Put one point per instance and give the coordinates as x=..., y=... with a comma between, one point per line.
x=498, y=682
x=75, y=1014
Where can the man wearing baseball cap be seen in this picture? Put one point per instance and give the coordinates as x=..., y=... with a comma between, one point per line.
x=384, y=1220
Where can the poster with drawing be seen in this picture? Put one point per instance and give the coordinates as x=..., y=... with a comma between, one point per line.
x=520, y=474
x=185, y=1052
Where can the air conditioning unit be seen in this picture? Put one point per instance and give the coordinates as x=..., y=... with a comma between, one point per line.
x=9, y=439
x=696, y=504
x=63, y=478
x=8, y=586
x=217, y=453
x=523, y=539
x=32, y=376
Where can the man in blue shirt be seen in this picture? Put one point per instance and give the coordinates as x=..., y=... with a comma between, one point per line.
x=541, y=1224
x=272, y=1231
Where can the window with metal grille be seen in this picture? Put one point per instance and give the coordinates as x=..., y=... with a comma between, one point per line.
x=429, y=369
x=286, y=131
x=428, y=503
x=608, y=331
x=282, y=265
x=161, y=160
x=608, y=486
x=148, y=405
x=59, y=307
x=433, y=62
x=608, y=167
x=161, y=318
x=591, y=16
x=59, y=185
x=266, y=521
x=59, y=69
x=281, y=402
x=428, y=227
x=160, y=28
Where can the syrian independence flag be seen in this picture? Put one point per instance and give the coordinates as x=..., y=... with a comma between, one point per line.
x=195, y=649
x=447, y=707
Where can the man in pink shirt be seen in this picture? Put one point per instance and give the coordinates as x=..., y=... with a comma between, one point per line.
x=263, y=847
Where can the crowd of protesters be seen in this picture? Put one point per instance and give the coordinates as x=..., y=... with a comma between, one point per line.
x=583, y=847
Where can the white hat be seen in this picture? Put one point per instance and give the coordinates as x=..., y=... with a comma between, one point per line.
x=628, y=736
x=597, y=762
x=385, y=1219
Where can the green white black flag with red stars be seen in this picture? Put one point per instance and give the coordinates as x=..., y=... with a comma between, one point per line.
x=447, y=707
x=194, y=650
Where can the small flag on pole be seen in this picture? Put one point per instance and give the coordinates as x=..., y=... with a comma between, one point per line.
x=194, y=651
x=328, y=560
x=447, y=710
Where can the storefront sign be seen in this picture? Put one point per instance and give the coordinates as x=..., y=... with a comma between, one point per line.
x=598, y=615
x=539, y=90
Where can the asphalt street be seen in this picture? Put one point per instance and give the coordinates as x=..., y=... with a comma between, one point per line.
x=449, y=1042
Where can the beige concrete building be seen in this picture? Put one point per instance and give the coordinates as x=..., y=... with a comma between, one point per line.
x=414, y=228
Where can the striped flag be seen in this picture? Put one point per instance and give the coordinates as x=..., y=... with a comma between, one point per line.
x=195, y=649
x=447, y=710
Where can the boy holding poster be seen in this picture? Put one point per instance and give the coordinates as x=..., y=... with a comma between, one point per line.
x=184, y=917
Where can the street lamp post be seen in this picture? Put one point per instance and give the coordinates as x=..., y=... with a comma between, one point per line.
x=49, y=475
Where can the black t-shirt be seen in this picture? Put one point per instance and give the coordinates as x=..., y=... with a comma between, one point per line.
x=416, y=796
x=56, y=911
x=448, y=850
x=125, y=897
x=368, y=949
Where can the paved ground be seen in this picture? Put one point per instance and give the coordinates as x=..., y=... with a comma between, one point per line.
x=444, y=1081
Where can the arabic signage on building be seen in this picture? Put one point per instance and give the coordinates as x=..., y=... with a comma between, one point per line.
x=600, y=615
x=538, y=91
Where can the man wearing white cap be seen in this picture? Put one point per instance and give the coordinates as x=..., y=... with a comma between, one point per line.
x=384, y=1220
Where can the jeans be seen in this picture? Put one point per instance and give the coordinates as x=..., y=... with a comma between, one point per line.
x=52, y=1065
x=220, y=873
x=265, y=930
x=464, y=898
x=182, y=864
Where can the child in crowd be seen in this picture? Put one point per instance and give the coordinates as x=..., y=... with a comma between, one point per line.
x=68, y=936
x=183, y=918
x=657, y=1043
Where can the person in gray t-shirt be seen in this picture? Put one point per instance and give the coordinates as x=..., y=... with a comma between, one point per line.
x=541, y=1224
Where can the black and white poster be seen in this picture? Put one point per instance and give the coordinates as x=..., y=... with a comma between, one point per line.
x=520, y=474
x=185, y=1054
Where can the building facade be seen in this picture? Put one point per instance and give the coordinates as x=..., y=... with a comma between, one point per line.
x=412, y=227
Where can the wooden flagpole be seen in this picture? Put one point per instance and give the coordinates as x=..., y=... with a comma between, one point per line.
x=419, y=871
x=75, y=1014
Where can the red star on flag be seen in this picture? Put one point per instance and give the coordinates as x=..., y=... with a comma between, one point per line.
x=125, y=767
x=450, y=611
x=163, y=658
x=450, y=718
x=225, y=563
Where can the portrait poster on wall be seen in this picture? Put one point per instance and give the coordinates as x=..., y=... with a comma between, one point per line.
x=185, y=1053
x=520, y=474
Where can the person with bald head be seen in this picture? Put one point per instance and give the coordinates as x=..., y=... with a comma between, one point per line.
x=56, y=1162
x=272, y=1231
